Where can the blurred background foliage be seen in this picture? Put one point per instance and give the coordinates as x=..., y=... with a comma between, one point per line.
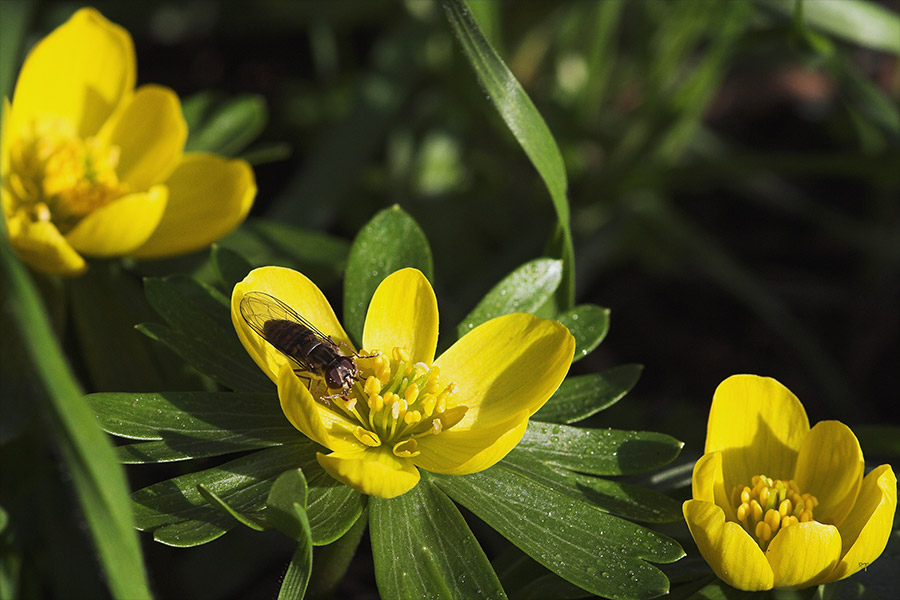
x=733, y=181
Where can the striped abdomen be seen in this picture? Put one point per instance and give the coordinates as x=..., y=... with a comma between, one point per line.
x=301, y=344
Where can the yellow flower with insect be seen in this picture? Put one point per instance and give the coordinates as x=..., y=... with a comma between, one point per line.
x=91, y=166
x=777, y=504
x=392, y=408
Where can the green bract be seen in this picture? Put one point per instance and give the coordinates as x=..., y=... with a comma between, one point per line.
x=551, y=483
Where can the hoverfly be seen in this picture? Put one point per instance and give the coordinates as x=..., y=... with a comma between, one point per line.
x=308, y=349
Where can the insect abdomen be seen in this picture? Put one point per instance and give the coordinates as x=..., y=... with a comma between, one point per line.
x=296, y=341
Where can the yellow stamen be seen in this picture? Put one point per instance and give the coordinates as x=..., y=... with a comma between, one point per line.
x=398, y=401
x=54, y=175
x=771, y=505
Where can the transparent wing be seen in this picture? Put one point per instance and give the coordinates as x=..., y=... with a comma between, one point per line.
x=258, y=308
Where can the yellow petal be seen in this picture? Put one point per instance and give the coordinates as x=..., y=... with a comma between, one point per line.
x=830, y=467
x=299, y=293
x=707, y=483
x=313, y=420
x=729, y=550
x=374, y=472
x=120, y=226
x=509, y=364
x=461, y=452
x=42, y=247
x=80, y=72
x=403, y=312
x=758, y=425
x=865, y=532
x=208, y=197
x=4, y=140
x=802, y=555
x=150, y=131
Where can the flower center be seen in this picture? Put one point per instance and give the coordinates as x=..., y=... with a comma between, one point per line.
x=54, y=175
x=398, y=402
x=770, y=505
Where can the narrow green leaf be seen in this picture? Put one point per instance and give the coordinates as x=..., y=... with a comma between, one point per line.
x=588, y=323
x=296, y=578
x=177, y=449
x=219, y=416
x=13, y=28
x=525, y=123
x=526, y=289
x=197, y=107
x=319, y=256
x=289, y=491
x=598, y=451
x=331, y=562
x=526, y=579
x=598, y=552
x=201, y=332
x=861, y=22
x=389, y=242
x=178, y=515
x=423, y=548
x=615, y=497
x=226, y=127
x=333, y=508
x=216, y=501
x=230, y=266
x=106, y=305
x=581, y=396
x=97, y=479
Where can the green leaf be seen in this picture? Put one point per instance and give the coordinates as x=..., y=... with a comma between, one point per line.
x=332, y=561
x=588, y=323
x=584, y=395
x=865, y=23
x=230, y=266
x=333, y=508
x=288, y=493
x=106, y=304
x=598, y=451
x=615, y=497
x=423, y=548
x=224, y=127
x=201, y=332
x=600, y=553
x=319, y=256
x=13, y=28
x=214, y=500
x=526, y=289
x=296, y=578
x=389, y=242
x=526, y=579
x=525, y=123
x=97, y=479
x=178, y=515
x=199, y=415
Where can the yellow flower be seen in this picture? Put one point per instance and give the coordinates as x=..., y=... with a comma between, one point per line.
x=92, y=166
x=777, y=504
x=458, y=414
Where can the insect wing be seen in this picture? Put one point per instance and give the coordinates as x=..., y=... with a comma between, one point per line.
x=258, y=308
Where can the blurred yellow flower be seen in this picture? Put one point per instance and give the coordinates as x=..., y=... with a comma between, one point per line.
x=777, y=504
x=457, y=414
x=92, y=166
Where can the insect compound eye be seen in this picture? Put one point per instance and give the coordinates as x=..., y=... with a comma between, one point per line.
x=334, y=376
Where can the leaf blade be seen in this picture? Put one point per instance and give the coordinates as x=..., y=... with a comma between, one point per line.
x=526, y=125
x=423, y=531
x=390, y=241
